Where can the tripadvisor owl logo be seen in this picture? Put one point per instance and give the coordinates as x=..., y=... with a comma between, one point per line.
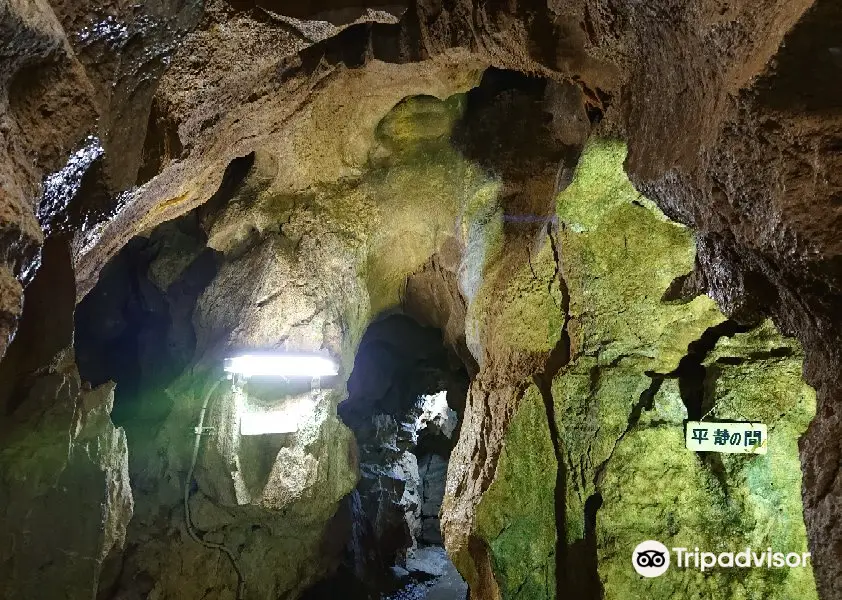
x=651, y=558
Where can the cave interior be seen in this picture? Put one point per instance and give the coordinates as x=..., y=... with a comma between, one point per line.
x=421, y=300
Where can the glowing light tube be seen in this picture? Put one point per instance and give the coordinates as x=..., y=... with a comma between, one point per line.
x=281, y=365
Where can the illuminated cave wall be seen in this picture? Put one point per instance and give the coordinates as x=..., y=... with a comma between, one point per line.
x=603, y=424
x=375, y=164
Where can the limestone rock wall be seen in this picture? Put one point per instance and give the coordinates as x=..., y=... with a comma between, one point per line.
x=33, y=42
x=270, y=499
x=117, y=117
x=755, y=501
x=65, y=489
x=592, y=460
x=304, y=272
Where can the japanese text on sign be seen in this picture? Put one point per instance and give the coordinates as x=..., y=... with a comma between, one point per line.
x=733, y=438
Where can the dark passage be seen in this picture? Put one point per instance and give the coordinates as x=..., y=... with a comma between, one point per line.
x=135, y=327
x=406, y=397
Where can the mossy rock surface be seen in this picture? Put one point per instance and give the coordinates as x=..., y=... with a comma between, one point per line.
x=620, y=409
x=655, y=489
x=620, y=254
x=516, y=516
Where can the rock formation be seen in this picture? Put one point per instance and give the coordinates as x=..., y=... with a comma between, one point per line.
x=620, y=216
x=67, y=500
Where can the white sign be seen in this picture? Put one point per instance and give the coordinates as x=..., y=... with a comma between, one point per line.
x=289, y=417
x=733, y=438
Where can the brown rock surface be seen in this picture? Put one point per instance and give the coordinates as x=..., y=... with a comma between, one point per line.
x=39, y=77
x=65, y=489
x=731, y=112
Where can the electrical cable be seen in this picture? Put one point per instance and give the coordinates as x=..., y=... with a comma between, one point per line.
x=241, y=583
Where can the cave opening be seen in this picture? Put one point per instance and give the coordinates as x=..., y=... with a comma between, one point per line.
x=134, y=327
x=576, y=267
x=406, y=398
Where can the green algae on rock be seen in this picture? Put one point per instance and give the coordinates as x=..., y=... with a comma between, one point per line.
x=526, y=315
x=419, y=186
x=619, y=255
x=719, y=503
x=624, y=423
x=619, y=409
x=516, y=516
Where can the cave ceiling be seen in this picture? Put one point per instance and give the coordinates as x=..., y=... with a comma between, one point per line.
x=726, y=116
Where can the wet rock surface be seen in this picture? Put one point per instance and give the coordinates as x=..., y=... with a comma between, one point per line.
x=399, y=407
x=336, y=162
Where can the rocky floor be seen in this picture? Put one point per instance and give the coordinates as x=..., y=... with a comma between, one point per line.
x=429, y=575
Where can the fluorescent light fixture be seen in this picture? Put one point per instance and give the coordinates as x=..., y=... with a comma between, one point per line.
x=281, y=365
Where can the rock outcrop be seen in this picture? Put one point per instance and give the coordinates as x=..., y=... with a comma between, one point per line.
x=65, y=489
x=265, y=175
x=303, y=272
x=568, y=491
